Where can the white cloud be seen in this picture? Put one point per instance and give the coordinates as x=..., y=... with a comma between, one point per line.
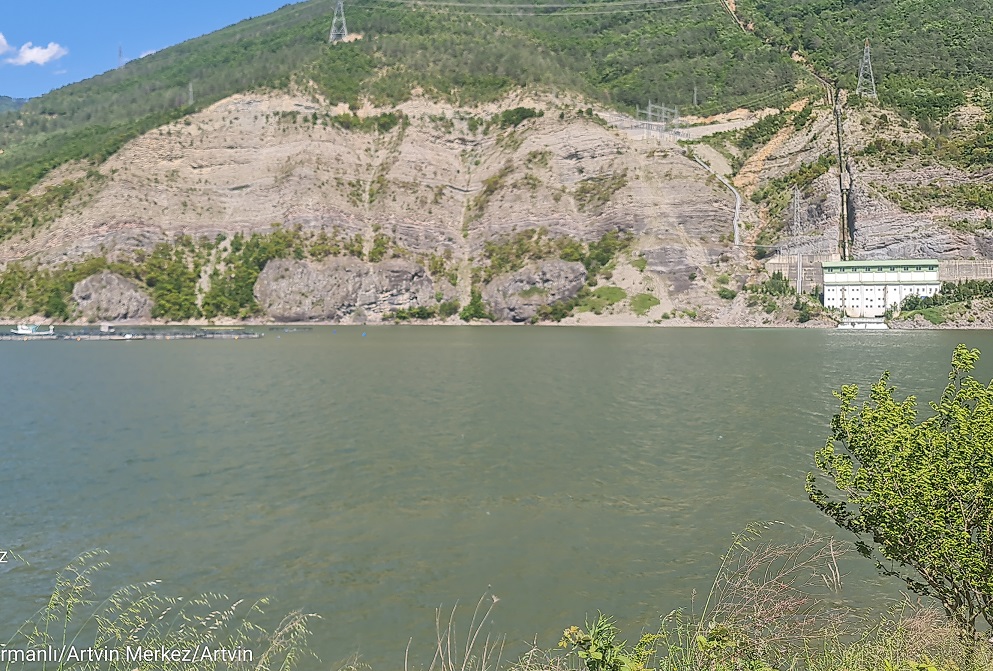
x=4, y=47
x=147, y=53
x=29, y=53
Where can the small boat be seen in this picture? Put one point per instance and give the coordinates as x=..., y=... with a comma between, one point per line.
x=32, y=330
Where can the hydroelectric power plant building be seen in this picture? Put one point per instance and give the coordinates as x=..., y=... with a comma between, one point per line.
x=868, y=288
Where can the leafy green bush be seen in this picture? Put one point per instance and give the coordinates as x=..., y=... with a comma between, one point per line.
x=448, y=308
x=172, y=272
x=600, y=650
x=381, y=123
x=596, y=301
x=726, y=293
x=610, y=295
x=778, y=193
x=915, y=493
x=514, y=252
x=950, y=292
x=416, y=312
x=516, y=116
x=763, y=130
x=232, y=291
x=380, y=247
x=923, y=198
x=475, y=309
x=642, y=303
x=602, y=252
x=776, y=285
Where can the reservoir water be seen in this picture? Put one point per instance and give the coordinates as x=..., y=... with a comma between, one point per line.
x=371, y=478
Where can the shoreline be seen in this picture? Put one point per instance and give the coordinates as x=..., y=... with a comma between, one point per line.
x=573, y=322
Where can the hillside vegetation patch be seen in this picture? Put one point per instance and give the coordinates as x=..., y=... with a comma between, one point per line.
x=594, y=192
x=642, y=303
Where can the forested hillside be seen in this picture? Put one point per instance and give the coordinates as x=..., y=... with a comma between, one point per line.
x=7, y=103
x=925, y=54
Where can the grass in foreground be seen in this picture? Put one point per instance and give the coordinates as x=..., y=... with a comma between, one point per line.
x=771, y=607
x=222, y=634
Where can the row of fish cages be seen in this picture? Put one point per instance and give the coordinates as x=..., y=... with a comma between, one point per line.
x=79, y=334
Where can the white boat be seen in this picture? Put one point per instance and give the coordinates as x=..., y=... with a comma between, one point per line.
x=32, y=330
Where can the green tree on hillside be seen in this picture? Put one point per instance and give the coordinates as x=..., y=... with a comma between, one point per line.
x=919, y=495
x=172, y=279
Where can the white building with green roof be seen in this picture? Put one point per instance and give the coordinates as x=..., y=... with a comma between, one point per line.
x=868, y=288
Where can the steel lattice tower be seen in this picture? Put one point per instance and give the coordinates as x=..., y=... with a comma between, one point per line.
x=795, y=220
x=338, y=29
x=867, y=83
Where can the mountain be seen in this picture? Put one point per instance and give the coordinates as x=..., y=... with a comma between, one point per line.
x=622, y=58
x=7, y=103
x=473, y=154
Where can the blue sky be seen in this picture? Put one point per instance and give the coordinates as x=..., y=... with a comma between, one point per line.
x=45, y=44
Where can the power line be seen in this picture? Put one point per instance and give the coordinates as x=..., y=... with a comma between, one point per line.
x=532, y=10
x=532, y=5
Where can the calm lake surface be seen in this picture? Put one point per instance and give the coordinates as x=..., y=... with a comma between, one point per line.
x=372, y=479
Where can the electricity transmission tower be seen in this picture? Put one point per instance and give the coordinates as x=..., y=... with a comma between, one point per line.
x=338, y=29
x=795, y=219
x=867, y=83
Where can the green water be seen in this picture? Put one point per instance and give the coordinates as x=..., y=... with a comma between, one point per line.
x=370, y=479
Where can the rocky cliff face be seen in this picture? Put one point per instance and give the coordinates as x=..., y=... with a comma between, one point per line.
x=439, y=182
x=340, y=289
x=884, y=227
x=517, y=296
x=432, y=183
x=109, y=297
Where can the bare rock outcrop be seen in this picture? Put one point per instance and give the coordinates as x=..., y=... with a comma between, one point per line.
x=336, y=289
x=111, y=297
x=674, y=263
x=517, y=296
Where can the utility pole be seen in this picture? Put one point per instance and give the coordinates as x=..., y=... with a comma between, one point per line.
x=120, y=57
x=190, y=100
x=867, y=83
x=694, y=95
x=339, y=32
